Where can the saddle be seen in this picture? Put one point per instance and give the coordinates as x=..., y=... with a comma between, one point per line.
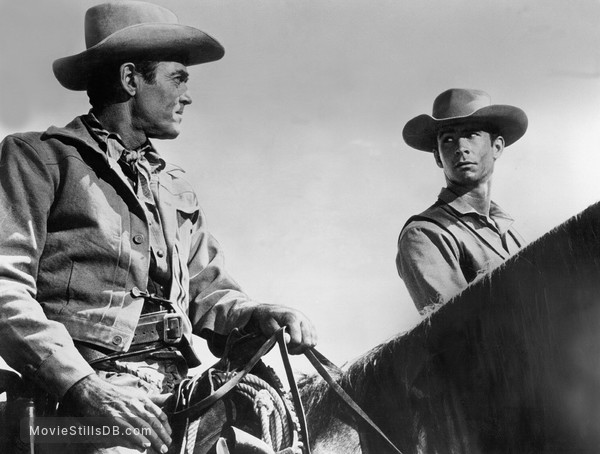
x=238, y=405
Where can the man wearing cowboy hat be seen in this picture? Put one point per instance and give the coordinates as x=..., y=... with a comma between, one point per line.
x=104, y=247
x=464, y=234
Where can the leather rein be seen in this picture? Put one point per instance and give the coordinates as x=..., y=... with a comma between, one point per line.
x=318, y=361
x=321, y=364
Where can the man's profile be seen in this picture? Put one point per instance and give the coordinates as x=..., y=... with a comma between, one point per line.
x=464, y=234
x=104, y=248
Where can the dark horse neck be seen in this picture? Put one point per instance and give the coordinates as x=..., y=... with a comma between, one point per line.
x=510, y=365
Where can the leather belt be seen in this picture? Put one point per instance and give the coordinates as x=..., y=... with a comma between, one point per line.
x=161, y=326
x=155, y=330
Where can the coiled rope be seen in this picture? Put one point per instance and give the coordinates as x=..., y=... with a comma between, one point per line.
x=272, y=411
x=273, y=408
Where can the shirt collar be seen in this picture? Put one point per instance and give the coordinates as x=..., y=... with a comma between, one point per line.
x=501, y=218
x=113, y=145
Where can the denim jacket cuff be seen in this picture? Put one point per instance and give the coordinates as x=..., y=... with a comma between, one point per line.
x=59, y=372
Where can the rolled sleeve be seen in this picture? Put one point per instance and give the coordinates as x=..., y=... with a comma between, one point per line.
x=428, y=262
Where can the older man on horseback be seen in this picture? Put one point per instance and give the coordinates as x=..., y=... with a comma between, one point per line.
x=107, y=268
x=464, y=234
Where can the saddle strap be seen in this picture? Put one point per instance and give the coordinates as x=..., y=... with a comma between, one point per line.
x=195, y=410
x=318, y=361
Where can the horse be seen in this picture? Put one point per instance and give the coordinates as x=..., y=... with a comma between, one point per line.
x=510, y=365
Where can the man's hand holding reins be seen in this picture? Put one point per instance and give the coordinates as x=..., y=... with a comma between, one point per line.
x=300, y=335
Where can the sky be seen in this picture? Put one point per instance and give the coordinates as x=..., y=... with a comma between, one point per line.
x=293, y=141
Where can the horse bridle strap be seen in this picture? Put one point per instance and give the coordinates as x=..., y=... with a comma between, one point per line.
x=318, y=361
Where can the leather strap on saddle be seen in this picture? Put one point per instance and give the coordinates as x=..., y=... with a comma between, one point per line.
x=194, y=411
x=241, y=442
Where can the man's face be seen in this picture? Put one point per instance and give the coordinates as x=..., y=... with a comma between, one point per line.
x=467, y=154
x=158, y=106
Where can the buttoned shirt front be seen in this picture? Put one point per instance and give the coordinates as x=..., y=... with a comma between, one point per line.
x=142, y=167
x=449, y=245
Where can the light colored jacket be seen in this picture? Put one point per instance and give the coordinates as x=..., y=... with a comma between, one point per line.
x=74, y=242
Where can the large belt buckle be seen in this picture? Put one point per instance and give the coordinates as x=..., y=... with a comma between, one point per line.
x=172, y=328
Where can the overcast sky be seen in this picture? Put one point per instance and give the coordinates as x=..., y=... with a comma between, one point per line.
x=293, y=141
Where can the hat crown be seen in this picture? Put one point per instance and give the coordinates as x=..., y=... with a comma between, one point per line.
x=105, y=19
x=459, y=102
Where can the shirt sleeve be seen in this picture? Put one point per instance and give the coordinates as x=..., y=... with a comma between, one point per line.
x=38, y=348
x=428, y=261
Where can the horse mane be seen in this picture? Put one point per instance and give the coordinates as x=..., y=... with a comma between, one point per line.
x=493, y=369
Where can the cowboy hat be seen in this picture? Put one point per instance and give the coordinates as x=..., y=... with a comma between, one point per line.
x=459, y=105
x=127, y=29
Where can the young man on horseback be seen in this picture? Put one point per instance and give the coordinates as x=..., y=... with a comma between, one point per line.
x=464, y=234
x=104, y=249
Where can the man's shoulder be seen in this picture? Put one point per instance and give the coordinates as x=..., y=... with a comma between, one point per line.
x=435, y=211
x=36, y=139
x=433, y=227
x=27, y=137
x=436, y=217
x=25, y=145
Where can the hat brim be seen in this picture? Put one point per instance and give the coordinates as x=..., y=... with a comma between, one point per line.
x=159, y=42
x=511, y=123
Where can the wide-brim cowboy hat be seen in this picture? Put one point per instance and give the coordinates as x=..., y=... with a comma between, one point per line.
x=458, y=105
x=117, y=31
